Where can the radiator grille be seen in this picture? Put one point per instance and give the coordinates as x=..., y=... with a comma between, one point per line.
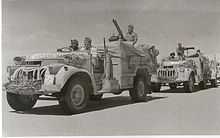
x=167, y=73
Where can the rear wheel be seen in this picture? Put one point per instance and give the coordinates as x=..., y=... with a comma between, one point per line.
x=155, y=87
x=214, y=83
x=21, y=102
x=138, y=93
x=202, y=84
x=172, y=85
x=189, y=85
x=96, y=97
x=75, y=97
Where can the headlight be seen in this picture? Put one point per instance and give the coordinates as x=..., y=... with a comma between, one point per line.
x=19, y=60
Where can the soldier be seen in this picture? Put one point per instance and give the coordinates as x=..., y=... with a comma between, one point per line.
x=74, y=45
x=180, y=50
x=131, y=35
x=88, y=46
x=154, y=53
x=197, y=54
x=87, y=43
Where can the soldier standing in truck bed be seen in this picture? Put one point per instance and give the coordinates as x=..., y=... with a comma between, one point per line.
x=131, y=35
x=180, y=51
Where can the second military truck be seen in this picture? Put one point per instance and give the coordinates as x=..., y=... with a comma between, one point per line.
x=194, y=68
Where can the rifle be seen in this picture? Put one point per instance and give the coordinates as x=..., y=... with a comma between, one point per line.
x=118, y=29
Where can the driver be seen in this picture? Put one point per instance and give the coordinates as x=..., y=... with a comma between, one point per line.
x=74, y=45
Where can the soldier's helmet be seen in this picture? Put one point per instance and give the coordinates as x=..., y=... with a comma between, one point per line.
x=131, y=26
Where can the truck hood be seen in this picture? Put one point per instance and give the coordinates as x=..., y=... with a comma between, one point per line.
x=173, y=63
x=42, y=56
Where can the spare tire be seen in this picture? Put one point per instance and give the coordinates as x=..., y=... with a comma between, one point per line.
x=21, y=102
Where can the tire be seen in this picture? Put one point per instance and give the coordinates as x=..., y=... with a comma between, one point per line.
x=214, y=83
x=172, y=85
x=21, y=102
x=189, y=85
x=138, y=93
x=96, y=97
x=75, y=96
x=155, y=87
x=203, y=85
x=117, y=93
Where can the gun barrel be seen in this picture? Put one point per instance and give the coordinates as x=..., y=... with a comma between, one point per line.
x=118, y=28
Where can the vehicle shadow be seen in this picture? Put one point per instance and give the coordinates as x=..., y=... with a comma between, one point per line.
x=105, y=103
x=182, y=90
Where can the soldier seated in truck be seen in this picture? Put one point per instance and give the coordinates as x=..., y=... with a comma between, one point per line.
x=131, y=35
x=197, y=54
x=73, y=47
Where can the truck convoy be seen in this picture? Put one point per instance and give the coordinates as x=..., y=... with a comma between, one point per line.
x=76, y=77
x=192, y=69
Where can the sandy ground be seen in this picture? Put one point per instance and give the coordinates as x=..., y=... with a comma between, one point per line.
x=166, y=112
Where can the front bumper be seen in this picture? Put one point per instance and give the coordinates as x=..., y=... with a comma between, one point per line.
x=28, y=88
x=31, y=88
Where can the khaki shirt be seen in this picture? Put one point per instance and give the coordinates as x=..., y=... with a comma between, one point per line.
x=180, y=51
x=131, y=37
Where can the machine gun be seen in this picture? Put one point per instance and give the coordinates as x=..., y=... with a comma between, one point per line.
x=121, y=36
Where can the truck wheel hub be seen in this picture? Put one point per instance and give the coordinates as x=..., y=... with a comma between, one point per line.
x=77, y=95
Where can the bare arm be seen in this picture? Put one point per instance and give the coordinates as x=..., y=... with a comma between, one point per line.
x=135, y=39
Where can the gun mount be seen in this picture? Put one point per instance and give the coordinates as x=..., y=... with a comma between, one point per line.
x=120, y=33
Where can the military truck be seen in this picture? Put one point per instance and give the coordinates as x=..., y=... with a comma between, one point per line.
x=74, y=77
x=192, y=69
x=218, y=70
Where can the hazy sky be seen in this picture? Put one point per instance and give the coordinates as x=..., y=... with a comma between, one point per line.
x=44, y=25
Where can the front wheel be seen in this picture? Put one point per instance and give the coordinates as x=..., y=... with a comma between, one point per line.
x=138, y=93
x=189, y=85
x=21, y=102
x=203, y=84
x=75, y=97
x=214, y=83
